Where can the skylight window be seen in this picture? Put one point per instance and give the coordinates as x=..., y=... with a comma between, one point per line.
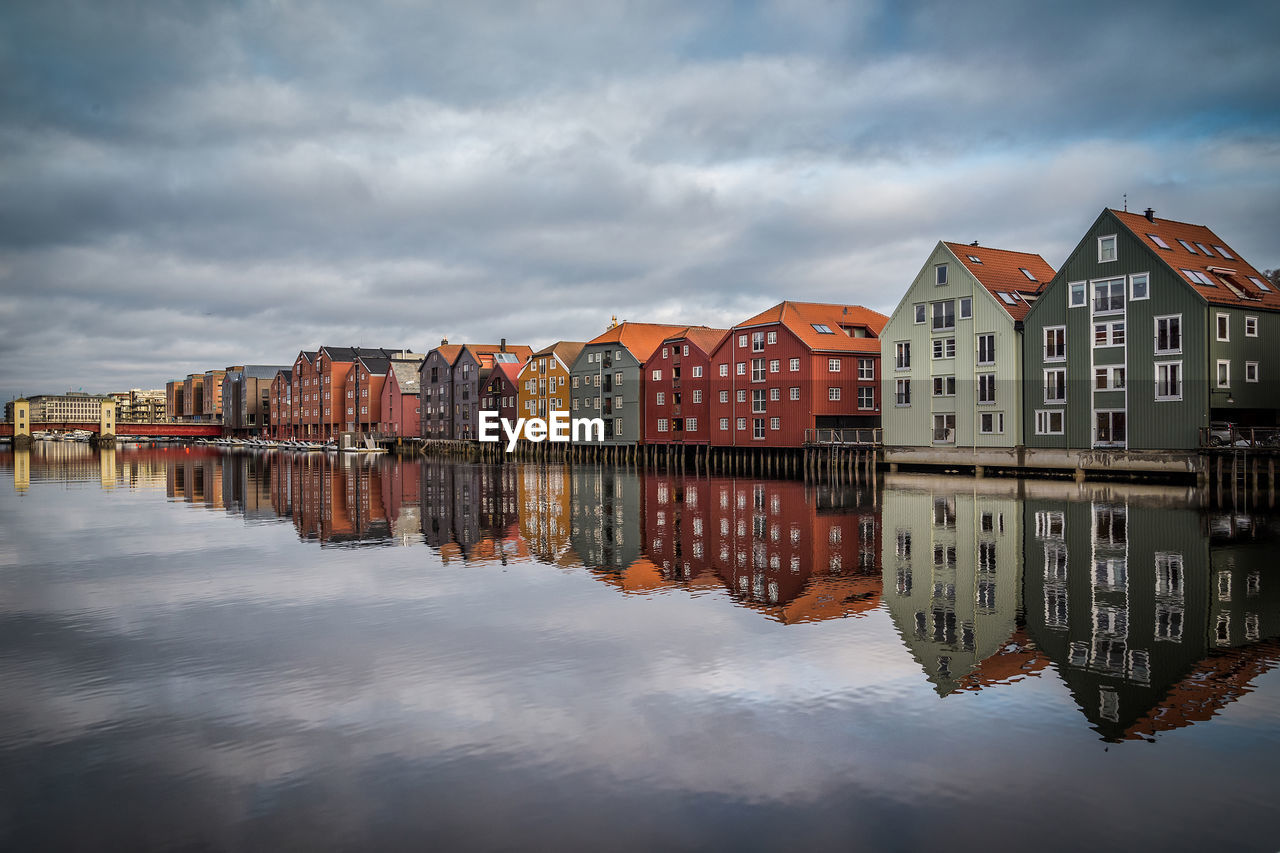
x=1156, y=239
x=1262, y=285
x=975, y=259
x=1203, y=248
x=822, y=328
x=1198, y=277
x=1027, y=273
x=1223, y=252
x=1190, y=248
x=1008, y=300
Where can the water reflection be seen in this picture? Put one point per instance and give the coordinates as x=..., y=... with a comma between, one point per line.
x=1154, y=612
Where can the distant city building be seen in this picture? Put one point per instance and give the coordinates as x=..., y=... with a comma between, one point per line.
x=72, y=407
x=137, y=406
x=246, y=398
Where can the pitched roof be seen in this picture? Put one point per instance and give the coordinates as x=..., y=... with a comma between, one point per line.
x=375, y=366
x=480, y=351
x=406, y=373
x=566, y=351
x=288, y=373
x=261, y=371
x=703, y=337
x=510, y=370
x=1000, y=271
x=801, y=317
x=1228, y=273
x=352, y=353
x=640, y=339
x=449, y=352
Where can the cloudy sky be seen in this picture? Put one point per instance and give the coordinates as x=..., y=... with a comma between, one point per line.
x=191, y=185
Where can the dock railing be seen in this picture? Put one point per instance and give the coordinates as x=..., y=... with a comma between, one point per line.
x=1229, y=436
x=850, y=437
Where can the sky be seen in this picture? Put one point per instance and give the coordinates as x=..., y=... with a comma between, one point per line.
x=187, y=186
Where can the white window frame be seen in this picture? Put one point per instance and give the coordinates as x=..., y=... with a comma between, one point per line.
x=940, y=275
x=794, y=365
x=986, y=379
x=964, y=308
x=833, y=365
x=1168, y=365
x=1250, y=327
x=1251, y=371
x=1053, y=400
x=1155, y=339
x=871, y=403
x=1044, y=344
x=1115, y=249
x=657, y=376
x=724, y=370
x=902, y=394
x=902, y=355
x=1219, y=373
x=1080, y=289
x=1218, y=324
x=1134, y=278
x=866, y=369
x=795, y=392
x=724, y=423
x=833, y=393
x=977, y=350
x=996, y=419
x=921, y=314
x=1045, y=418
x=771, y=337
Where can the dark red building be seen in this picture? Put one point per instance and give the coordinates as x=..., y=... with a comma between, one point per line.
x=676, y=381
x=501, y=391
x=793, y=368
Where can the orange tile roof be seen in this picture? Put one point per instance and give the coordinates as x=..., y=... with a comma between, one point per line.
x=640, y=339
x=800, y=317
x=566, y=351
x=1000, y=270
x=481, y=350
x=1230, y=276
x=511, y=371
x=449, y=352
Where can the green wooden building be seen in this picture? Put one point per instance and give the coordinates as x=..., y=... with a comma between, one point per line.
x=1149, y=331
x=952, y=352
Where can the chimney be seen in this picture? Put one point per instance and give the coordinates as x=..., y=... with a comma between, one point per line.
x=974, y=243
x=503, y=346
x=444, y=342
x=1150, y=214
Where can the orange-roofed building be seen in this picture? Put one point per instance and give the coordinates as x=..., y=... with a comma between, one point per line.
x=606, y=380
x=1151, y=330
x=450, y=380
x=544, y=379
x=796, y=367
x=953, y=352
x=677, y=380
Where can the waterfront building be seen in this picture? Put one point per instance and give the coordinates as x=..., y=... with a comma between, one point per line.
x=304, y=417
x=450, y=380
x=137, y=406
x=501, y=391
x=280, y=404
x=543, y=383
x=796, y=367
x=952, y=351
x=606, y=381
x=193, y=392
x=71, y=407
x=246, y=398
x=210, y=410
x=677, y=381
x=400, y=400
x=174, y=392
x=1151, y=329
x=325, y=383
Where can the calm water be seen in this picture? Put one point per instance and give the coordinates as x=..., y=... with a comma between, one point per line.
x=208, y=651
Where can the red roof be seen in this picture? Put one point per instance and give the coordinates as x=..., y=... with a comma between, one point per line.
x=1001, y=271
x=509, y=370
x=704, y=338
x=802, y=317
x=1209, y=256
x=641, y=339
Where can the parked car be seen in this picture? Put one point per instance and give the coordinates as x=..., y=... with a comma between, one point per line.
x=1221, y=433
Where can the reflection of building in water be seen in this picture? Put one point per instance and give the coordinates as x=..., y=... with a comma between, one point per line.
x=606, y=527
x=196, y=477
x=21, y=469
x=470, y=512
x=1128, y=596
x=774, y=543
x=543, y=496
x=330, y=497
x=952, y=568
x=401, y=482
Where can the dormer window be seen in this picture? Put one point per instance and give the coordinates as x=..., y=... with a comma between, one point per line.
x=1107, y=249
x=1155, y=238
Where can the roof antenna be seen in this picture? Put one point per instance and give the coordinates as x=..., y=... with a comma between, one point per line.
x=1126, y=202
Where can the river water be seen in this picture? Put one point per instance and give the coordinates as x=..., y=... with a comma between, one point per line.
x=213, y=651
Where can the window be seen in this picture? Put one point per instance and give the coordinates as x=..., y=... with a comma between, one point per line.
x=774, y=365
x=686, y=349
x=866, y=369
x=902, y=360
x=757, y=427
x=724, y=396
x=944, y=348
x=1169, y=380
x=1108, y=334
x=742, y=341
x=662, y=424
x=1106, y=249
x=1027, y=273
x=833, y=393
x=822, y=328
x=1261, y=285
x=1250, y=327
x=664, y=355
x=757, y=370
x=794, y=365
x=1224, y=373
x=944, y=386
x=691, y=424
x=944, y=315
x=742, y=396
x=966, y=307
x=1188, y=247
x=795, y=392
x=1055, y=385
x=757, y=400
x=741, y=368
x=940, y=274
x=1223, y=252
x=1251, y=371
x=657, y=376
x=1197, y=277
x=742, y=424
x=1076, y=290
x=1109, y=428
x=921, y=314
x=1108, y=296
x=986, y=388
x=724, y=423
x=833, y=365
x=944, y=429
x=772, y=337
x=1169, y=335
x=1048, y=422
x=1055, y=343
x=757, y=341
x=866, y=398
x=697, y=395
x=991, y=422
x=1139, y=286
x=1155, y=238
x=660, y=398
x=1224, y=327
x=775, y=394
x=1108, y=378
x=724, y=370
x=903, y=395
